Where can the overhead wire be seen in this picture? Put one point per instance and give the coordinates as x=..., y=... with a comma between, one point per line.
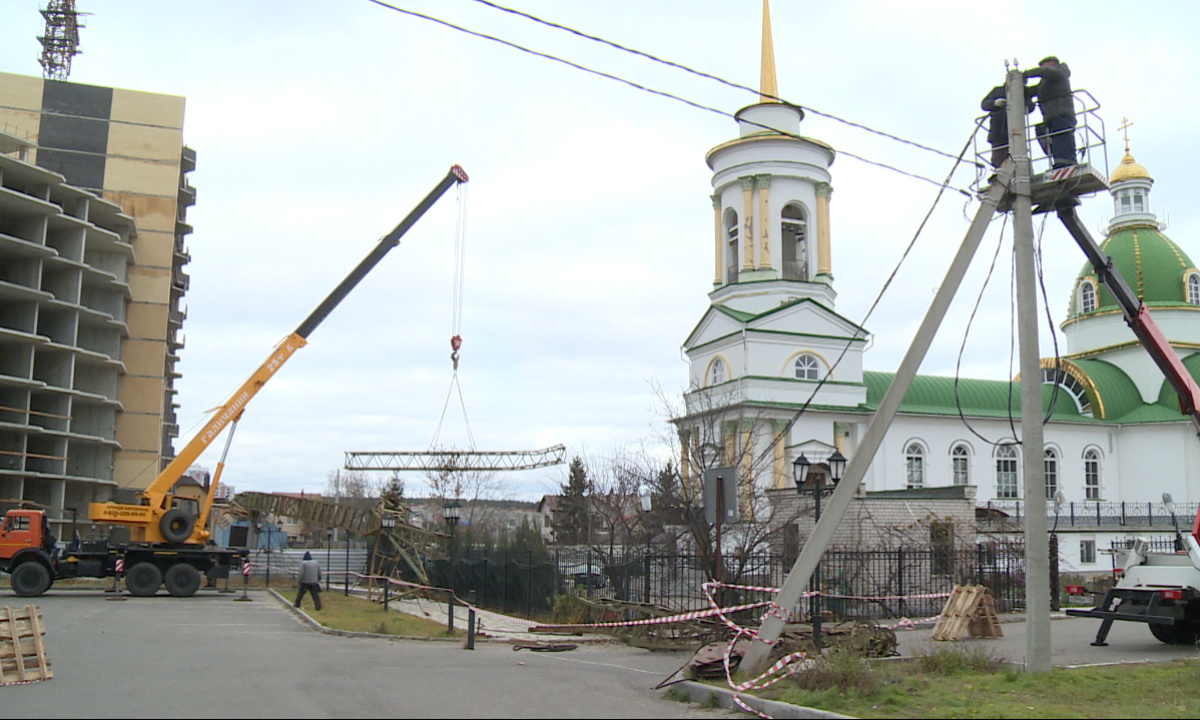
x=671, y=96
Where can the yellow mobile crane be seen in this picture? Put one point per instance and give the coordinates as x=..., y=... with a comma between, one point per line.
x=168, y=534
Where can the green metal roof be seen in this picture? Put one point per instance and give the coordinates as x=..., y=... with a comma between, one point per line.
x=1167, y=397
x=1151, y=263
x=1118, y=395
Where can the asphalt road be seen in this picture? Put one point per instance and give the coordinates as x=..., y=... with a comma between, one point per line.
x=210, y=656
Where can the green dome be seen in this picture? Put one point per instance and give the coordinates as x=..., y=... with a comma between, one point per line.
x=1154, y=267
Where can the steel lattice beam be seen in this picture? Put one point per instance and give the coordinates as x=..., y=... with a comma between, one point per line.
x=452, y=460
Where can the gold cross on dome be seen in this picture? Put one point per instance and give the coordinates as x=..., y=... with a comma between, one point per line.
x=1124, y=126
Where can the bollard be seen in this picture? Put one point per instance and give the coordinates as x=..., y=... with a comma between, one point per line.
x=245, y=582
x=450, y=612
x=118, y=568
x=471, y=620
x=386, y=586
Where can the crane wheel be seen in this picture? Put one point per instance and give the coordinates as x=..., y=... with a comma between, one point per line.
x=182, y=580
x=30, y=579
x=143, y=579
x=176, y=526
x=1181, y=633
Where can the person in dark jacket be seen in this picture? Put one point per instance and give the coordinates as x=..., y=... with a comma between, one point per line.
x=996, y=105
x=309, y=577
x=1053, y=94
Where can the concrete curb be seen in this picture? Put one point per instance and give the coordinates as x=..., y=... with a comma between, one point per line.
x=700, y=693
x=305, y=617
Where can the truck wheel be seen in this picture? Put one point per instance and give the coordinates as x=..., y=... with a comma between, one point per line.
x=1181, y=633
x=182, y=580
x=176, y=525
x=30, y=579
x=143, y=579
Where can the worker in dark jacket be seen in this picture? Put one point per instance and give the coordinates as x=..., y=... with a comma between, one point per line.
x=1053, y=94
x=996, y=105
x=309, y=577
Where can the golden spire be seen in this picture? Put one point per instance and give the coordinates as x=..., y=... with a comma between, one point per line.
x=768, y=88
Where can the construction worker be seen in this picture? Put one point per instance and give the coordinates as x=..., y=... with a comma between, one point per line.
x=1056, y=133
x=996, y=105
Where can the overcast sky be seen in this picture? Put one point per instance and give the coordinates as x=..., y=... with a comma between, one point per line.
x=319, y=125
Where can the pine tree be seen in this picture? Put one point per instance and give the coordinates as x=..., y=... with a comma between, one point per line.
x=572, y=518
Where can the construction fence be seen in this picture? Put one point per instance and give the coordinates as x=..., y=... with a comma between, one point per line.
x=857, y=583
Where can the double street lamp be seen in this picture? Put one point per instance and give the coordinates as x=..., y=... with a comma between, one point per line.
x=800, y=467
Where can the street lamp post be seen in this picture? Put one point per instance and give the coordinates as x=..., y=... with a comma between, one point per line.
x=800, y=467
x=346, y=582
x=647, y=504
x=1055, y=603
x=328, y=555
x=451, y=511
x=386, y=523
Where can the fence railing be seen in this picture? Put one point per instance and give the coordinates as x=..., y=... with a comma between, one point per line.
x=1006, y=514
x=904, y=582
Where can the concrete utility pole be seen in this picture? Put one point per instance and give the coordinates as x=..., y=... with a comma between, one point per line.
x=1037, y=542
x=789, y=595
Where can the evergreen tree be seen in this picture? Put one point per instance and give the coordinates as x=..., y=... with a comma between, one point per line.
x=572, y=518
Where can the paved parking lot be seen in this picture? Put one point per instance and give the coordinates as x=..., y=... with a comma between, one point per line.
x=209, y=656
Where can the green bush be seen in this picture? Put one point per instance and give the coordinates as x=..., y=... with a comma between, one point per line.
x=840, y=669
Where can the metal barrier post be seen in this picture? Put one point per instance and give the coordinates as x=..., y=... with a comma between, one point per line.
x=450, y=611
x=245, y=581
x=118, y=571
x=471, y=621
x=387, y=585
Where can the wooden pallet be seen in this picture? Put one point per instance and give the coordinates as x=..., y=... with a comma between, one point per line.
x=970, y=608
x=22, y=652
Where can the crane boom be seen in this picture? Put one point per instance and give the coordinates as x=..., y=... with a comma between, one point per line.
x=153, y=519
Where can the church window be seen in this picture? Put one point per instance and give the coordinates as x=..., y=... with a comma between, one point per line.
x=1006, y=473
x=1193, y=289
x=1126, y=203
x=807, y=367
x=1139, y=201
x=1087, y=297
x=717, y=372
x=914, y=459
x=1069, y=383
x=960, y=459
x=1051, y=473
x=731, y=246
x=794, y=235
x=1091, y=475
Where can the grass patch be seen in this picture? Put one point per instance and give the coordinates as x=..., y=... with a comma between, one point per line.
x=711, y=702
x=677, y=694
x=355, y=614
x=967, y=682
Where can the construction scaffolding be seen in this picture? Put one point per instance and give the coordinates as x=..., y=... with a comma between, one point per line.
x=61, y=41
x=457, y=460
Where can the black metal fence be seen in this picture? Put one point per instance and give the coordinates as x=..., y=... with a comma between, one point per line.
x=904, y=582
x=1008, y=514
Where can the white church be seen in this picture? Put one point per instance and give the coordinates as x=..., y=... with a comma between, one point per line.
x=772, y=337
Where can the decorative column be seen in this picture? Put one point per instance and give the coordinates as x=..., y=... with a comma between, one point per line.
x=718, y=240
x=748, y=222
x=764, y=214
x=781, y=469
x=746, y=477
x=824, y=258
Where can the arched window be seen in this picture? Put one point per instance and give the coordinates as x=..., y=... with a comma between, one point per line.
x=807, y=367
x=731, y=246
x=914, y=460
x=793, y=232
x=717, y=372
x=1091, y=474
x=1087, y=297
x=1193, y=289
x=1068, y=382
x=960, y=459
x=1051, y=473
x=1006, y=472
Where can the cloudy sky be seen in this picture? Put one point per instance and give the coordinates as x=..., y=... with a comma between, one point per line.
x=319, y=125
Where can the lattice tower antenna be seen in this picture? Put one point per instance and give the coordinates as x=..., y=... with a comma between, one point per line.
x=61, y=41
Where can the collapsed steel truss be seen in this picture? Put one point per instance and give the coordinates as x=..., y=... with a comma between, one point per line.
x=457, y=460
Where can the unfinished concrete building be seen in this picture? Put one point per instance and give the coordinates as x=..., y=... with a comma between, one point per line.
x=93, y=200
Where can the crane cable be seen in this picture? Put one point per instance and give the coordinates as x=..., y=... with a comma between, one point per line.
x=460, y=237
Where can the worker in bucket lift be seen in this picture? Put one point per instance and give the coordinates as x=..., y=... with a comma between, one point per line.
x=996, y=105
x=1056, y=133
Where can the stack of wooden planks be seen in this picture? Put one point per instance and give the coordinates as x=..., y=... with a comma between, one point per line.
x=22, y=651
x=969, y=608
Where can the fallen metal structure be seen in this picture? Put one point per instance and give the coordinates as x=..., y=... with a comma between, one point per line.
x=457, y=460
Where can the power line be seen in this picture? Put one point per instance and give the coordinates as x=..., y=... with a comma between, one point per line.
x=709, y=76
x=662, y=93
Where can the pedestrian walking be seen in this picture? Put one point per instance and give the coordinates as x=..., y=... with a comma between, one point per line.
x=309, y=577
